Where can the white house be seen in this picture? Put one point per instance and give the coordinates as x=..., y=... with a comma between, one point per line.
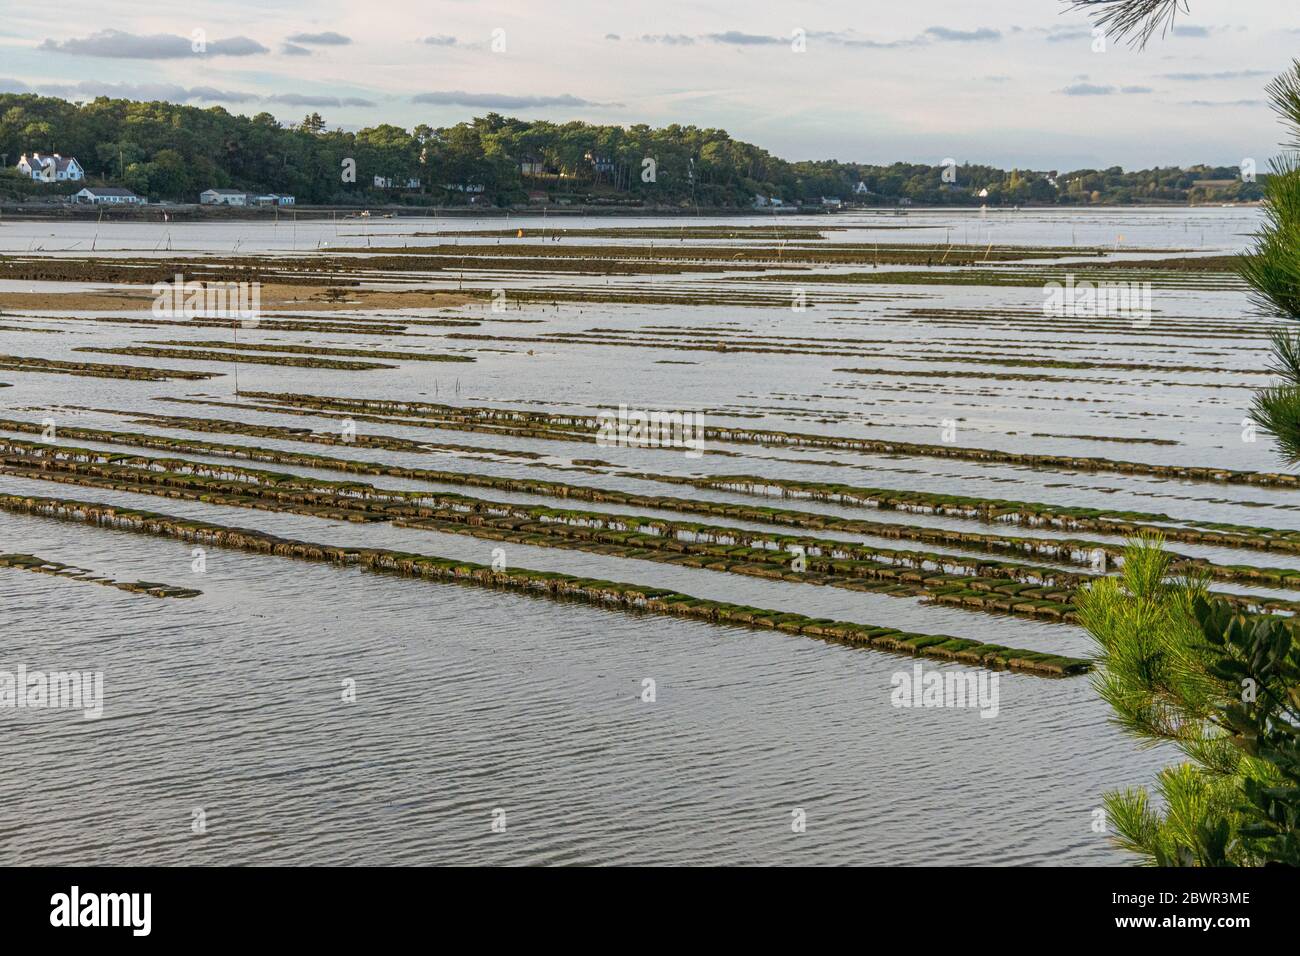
x=223, y=197
x=51, y=169
x=397, y=182
x=602, y=164
x=108, y=196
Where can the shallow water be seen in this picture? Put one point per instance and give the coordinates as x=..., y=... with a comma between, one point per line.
x=1203, y=228
x=469, y=701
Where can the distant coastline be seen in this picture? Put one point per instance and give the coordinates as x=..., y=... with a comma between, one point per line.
x=193, y=212
x=162, y=152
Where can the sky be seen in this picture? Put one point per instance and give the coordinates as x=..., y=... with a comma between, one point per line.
x=1010, y=83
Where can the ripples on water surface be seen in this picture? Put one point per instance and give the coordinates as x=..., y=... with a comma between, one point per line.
x=469, y=700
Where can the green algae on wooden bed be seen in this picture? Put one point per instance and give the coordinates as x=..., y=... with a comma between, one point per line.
x=30, y=562
x=965, y=582
x=24, y=363
x=617, y=595
x=583, y=426
x=1066, y=550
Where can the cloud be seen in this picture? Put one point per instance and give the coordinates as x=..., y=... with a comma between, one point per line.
x=1093, y=89
x=844, y=38
x=293, y=49
x=300, y=99
x=736, y=38
x=173, y=93
x=440, y=40
x=1222, y=75
x=862, y=43
x=963, y=36
x=158, y=46
x=144, y=92
x=1191, y=31
x=1087, y=89
x=1223, y=103
x=211, y=94
x=501, y=100
x=1067, y=34
x=235, y=46
x=328, y=38
x=671, y=39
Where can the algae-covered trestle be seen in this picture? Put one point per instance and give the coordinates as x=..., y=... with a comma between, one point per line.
x=623, y=596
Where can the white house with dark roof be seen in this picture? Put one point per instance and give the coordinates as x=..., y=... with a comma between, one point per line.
x=108, y=196
x=223, y=197
x=51, y=168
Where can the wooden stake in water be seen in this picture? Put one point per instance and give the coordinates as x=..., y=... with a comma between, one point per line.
x=236, y=351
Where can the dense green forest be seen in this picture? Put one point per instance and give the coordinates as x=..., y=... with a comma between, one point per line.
x=166, y=151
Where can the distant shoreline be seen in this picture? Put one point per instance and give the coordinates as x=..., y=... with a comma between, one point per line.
x=199, y=213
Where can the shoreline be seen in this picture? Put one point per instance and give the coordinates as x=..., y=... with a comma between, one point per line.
x=67, y=212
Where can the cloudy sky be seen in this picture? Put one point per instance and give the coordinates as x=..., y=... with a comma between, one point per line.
x=1006, y=82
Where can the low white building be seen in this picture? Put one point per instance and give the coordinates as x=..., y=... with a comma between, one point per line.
x=397, y=182
x=223, y=197
x=108, y=196
x=52, y=168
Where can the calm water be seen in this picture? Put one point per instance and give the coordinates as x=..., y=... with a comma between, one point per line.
x=469, y=702
x=1207, y=228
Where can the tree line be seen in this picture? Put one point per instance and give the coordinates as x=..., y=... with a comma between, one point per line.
x=169, y=151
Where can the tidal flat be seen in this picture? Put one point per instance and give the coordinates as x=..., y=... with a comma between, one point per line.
x=421, y=583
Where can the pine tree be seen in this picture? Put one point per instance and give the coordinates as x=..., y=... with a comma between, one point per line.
x=1272, y=268
x=1224, y=688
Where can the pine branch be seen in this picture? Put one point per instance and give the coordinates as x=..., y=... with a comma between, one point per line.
x=1284, y=91
x=1133, y=20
